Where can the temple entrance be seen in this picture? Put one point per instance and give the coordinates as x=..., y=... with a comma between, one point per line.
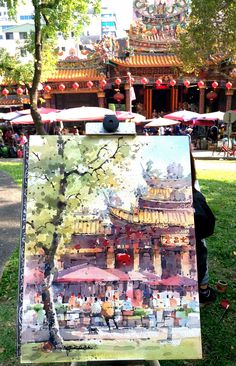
x=161, y=100
x=63, y=101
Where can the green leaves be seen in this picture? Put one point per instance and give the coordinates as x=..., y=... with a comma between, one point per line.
x=210, y=33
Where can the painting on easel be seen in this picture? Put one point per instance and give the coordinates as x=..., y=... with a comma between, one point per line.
x=108, y=263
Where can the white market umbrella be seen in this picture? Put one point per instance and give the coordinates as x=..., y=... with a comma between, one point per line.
x=10, y=115
x=183, y=115
x=159, y=122
x=28, y=120
x=83, y=114
x=212, y=116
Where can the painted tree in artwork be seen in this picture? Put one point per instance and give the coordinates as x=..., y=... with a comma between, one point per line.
x=50, y=17
x=65, y=173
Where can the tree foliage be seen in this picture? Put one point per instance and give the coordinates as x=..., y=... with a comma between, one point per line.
x=50, y=17
x=210, y=34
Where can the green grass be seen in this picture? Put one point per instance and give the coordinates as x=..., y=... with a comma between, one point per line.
x=218, y=338
x=14, y=169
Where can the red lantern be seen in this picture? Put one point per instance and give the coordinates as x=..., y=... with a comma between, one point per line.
x=61, y=87
x=19, y=91
x=158, y=82
x=118, y=81
x=173, y=82
x=75, y=85
x=186, y=83
x=5, y=92
x=47, y=88
x=119, y=97
x=144, y=81
x=200, y=84
x=228, y=85
x=214, y=84
x=89, y=84
x=211, y=95
x=123, y=259
x=103, y=83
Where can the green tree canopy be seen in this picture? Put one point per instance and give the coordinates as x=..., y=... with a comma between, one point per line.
x=50, y=17
x=209, y=35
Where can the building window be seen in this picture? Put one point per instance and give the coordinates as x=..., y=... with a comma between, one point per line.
x=26, y=17
x=23, y=35
x=63, y=49
x=1, y=36
x=9, y=35
x=72, y=34
x=23, y=52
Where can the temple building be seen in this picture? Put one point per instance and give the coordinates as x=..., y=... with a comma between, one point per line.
x=155, y=237
x=142, y=73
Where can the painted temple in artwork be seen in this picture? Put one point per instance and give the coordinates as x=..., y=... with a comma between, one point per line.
x=129, y=273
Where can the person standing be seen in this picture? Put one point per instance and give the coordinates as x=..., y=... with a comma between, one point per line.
x=108, y=313
x=204, y=221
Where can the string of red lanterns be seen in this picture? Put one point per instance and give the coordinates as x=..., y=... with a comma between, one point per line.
x=89, y=84
x=61, y=87
x=186, y=83
x=5, y=92
x=75, y=85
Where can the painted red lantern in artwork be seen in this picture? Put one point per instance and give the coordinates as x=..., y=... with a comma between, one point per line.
x=61, y=87
x=123, y=259
x=75, y=85
x=5, y=92
x=214, y=84
x=144, y=81
x=103, y=83
x=186, y=83
x=90, y=84
x=228, y=85
x=173, y=82
x=47, y=88
x=201, y=84
x=158, y=82
x=19, y=91
x=119, y=97
x=118, y=81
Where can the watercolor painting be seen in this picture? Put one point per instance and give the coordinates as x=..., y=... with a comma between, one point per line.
x=108, y=261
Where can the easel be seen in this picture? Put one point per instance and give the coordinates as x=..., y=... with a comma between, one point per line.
x=111, y=126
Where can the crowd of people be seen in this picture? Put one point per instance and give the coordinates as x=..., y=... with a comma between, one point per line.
x=12, y=143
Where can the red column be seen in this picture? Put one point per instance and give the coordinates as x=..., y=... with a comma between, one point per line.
x=201, y=99
x=101, y=99
x=128, y=106
x=229, y=94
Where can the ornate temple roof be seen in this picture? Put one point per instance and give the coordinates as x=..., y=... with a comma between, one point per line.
x=139, y=60
x=156, y=218
x=76, y=75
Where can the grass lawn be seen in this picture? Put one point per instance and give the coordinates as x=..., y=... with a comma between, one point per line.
x=219, y=341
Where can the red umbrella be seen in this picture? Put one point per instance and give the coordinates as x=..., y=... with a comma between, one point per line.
x=122, y=275
x=87, y=274
x=178, y=281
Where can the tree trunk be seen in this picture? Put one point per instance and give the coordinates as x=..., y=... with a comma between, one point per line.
x=47, y=294
x=33, y=91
